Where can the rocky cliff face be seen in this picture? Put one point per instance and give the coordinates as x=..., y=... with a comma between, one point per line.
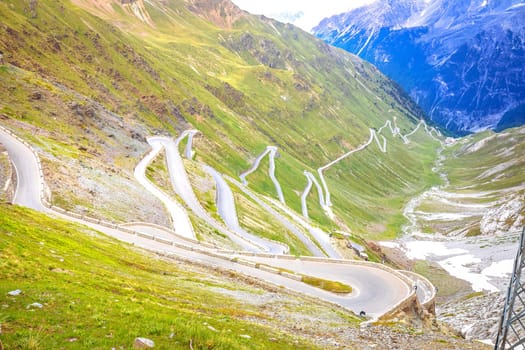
x=462, y=62
x=222, y=13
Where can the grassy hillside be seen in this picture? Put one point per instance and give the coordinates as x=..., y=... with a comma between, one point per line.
x=87, y=81
x=495, y=160
x=97, y=293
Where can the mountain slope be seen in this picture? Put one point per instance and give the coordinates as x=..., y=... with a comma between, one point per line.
x=484, y=193
x=462, y=61
x=87, y=82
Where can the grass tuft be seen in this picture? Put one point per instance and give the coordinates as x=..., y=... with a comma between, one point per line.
x=330, y=286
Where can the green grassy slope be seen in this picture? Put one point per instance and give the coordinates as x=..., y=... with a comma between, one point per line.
x=495, y=160
x=96, y=80
x=97, y=293
x=486, y=174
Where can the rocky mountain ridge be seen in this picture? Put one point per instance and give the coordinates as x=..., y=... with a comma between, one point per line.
x=462, y=61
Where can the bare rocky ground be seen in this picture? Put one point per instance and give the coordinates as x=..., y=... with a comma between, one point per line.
x=476, y=316
x=91, y=172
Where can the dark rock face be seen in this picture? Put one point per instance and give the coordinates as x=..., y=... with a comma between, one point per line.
x=462, y=61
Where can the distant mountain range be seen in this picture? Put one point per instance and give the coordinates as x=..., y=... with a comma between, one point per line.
x=462, y=61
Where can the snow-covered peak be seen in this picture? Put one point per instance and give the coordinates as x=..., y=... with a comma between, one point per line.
x=381, y=13
x=446, y=14
x=417, y=13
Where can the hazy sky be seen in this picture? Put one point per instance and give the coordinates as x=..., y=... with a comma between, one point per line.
x=303, y=13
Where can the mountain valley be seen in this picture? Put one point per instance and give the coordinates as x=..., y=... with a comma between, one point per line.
x=174, y=147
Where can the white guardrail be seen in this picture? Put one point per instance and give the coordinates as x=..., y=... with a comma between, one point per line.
x=429, y=300
x=212, y=250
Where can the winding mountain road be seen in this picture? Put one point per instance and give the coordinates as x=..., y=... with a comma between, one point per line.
x=29, y=176
x=373, y=287
x=226, y=204
x=311, y=180
x=179, y=217
x=382, y=147
x=376, y=290
x=182, y=186
x=321, y=237
x=328, y=202
x=271, y=151
x=226, y=208
x=284, y=221
x=188, y=150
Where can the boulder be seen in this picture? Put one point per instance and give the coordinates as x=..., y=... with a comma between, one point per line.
x=143, y=343
x=14, y=293
x=34, y=306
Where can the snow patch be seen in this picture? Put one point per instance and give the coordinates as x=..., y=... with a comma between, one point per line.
x=442, y=216
x=499, y=268
x=458, y=262
x=460, y=267
x=389, y=244
x=422, y=249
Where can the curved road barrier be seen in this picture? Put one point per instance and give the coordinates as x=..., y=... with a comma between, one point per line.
x=425, y=290
x=161, y=231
